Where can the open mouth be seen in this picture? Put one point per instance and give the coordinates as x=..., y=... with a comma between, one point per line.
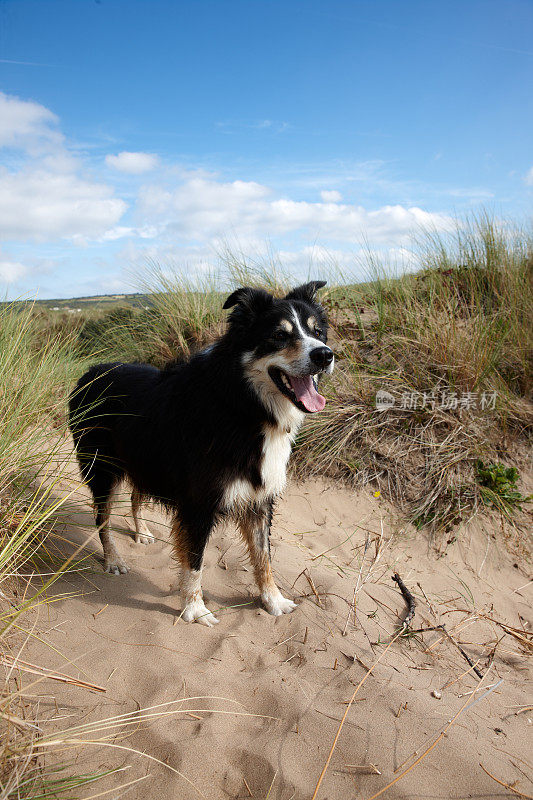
x=302, y=391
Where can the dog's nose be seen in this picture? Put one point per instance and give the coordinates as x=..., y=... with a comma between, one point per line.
x=321, y=357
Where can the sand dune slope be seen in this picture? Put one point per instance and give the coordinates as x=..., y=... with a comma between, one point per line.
x=282, y=683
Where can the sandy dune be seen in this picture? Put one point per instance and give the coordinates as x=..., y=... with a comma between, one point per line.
x=283, y=683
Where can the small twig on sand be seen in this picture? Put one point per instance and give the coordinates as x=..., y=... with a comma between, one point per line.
x=440, y=627
x=426, y=630
x=507, y=786
x=102, y=609
x=409, y=599
x=428, y=601
x=465, y=655
x=363, y=769
x=313, y=588
x=521, y=636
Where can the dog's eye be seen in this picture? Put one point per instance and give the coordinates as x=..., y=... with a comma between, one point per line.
x=281, y=335
x=318, y=332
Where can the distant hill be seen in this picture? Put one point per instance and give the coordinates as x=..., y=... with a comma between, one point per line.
x=97, y=301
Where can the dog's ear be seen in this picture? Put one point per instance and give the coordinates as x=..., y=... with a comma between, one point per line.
x=306, y=291
x=249, y=299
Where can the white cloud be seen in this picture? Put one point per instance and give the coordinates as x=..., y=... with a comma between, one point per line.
x=45, y=196
x=206, y=208
x=11, y=271
x=40, y=204
x=186, y=218
x=331, y=196
x=132, y=163
x=124, y=232
x=27, y=125
x=528, y=177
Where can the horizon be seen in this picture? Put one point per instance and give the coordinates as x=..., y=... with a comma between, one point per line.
x=142, y=132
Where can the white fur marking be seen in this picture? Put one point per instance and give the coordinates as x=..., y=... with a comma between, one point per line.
x=143, y=534
x=275, y=603
x=195, y=609
x=191, y=582
x=238, y=492
x=309, y=341
x=276, y=452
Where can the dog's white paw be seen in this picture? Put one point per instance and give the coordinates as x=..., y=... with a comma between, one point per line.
x=197, y=611
x=143, y=534
x=276, y=604
x=144, y=538
x=116, y=566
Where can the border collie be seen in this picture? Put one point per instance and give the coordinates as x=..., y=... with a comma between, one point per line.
x=207, y=438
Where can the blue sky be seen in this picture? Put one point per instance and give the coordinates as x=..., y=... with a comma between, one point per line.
x=135, y=131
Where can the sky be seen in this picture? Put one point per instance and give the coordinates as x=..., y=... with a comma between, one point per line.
x=139, y=132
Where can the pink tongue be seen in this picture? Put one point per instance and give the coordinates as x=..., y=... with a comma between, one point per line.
x=306, y=393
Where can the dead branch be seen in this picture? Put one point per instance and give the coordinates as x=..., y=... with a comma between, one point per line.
x=409, y=599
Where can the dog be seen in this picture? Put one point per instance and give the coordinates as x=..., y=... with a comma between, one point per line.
x=208, y=438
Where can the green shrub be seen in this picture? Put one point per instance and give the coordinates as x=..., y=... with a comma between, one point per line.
x=499, y=486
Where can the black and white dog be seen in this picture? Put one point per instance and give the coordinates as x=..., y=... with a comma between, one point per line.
x=210, y=437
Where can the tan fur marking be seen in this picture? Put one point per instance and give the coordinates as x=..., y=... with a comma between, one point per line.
x=311, y=323
x=254, y=530
x=252, y=527
x=295, y=350
x=180, y=545
x=286, y=325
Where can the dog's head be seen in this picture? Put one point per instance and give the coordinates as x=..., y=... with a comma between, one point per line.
x=283, y=345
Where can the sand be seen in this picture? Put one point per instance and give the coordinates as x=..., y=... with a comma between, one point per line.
x=280, y=685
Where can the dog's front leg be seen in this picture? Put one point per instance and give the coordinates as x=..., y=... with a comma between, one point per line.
x=255, y=529
x=189, y=548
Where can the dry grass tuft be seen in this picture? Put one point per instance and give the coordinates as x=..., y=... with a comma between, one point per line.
x=452, y=345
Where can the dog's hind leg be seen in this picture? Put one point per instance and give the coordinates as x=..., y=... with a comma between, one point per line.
x=112, y=560
x=143, y=535
x=102, y=474
x=188, y=546
x=254, y=524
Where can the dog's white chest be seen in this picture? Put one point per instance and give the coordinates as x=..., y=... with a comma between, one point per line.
x=275, y=455
x=276, y=452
